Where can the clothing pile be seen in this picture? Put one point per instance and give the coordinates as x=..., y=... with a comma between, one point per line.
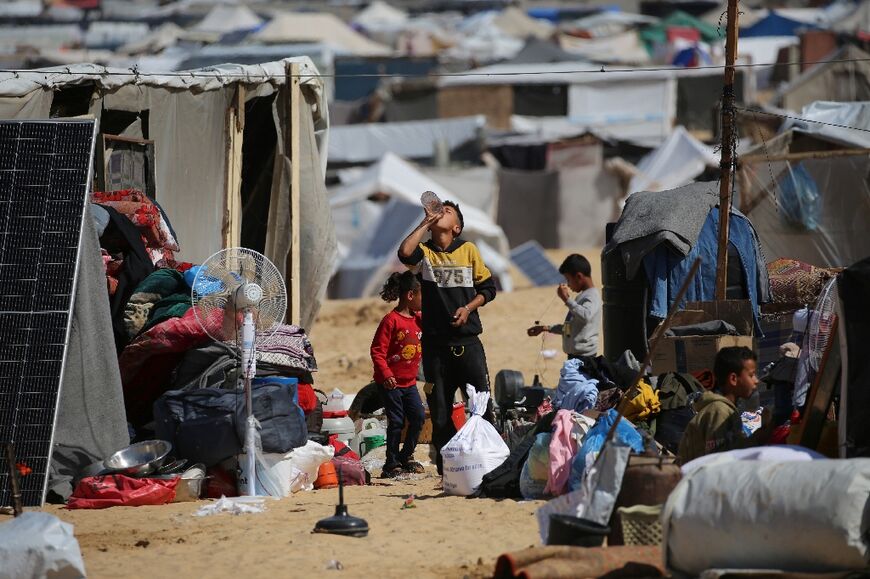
x=178, y=383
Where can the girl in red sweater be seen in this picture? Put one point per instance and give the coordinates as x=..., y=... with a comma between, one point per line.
x=396, y=356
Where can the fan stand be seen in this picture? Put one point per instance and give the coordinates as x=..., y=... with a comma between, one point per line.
x=342, y=523
x=249, y=370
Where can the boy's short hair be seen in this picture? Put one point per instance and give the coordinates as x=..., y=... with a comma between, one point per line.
x=731, y=359
x=576, y=263
x=455, y=207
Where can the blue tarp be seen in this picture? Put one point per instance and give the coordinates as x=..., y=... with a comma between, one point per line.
x=775, y=25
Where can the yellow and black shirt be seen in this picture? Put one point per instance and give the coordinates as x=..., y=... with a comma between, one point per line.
x=450, y=279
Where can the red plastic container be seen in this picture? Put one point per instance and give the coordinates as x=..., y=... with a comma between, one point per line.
x=458, y=415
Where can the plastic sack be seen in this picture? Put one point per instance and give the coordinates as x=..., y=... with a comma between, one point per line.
x=799, y=200
x=803, y=516
x=117, y=490
x=39, y=545
x=279, y=475
x=474, y=451
x=625, y=435
x=536, y=470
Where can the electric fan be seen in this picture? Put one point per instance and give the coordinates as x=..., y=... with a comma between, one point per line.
x=239, y=298
x=819, y=333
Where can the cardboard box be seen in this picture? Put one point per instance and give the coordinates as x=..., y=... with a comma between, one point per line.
x=692, y=353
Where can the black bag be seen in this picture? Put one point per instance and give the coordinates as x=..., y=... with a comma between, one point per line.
x=676, y=391
x=208, y=424
x=503, y=482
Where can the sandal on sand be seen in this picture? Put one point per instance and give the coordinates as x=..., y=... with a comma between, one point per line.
x=413, y=467
x=392, y=472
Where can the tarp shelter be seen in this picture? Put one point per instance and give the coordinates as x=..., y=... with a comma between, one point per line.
x=845, y=78
x=210, y=156
x=676, y=162
x=856, y=21
x=657, y=34
x=806, y=204
x=622, y=48
x=366, y=143
x=775, y=24
x=379, y=16
x=376, y=212
x=541, y=51
x=293, y=27
x=608, y=23
x=225, y=18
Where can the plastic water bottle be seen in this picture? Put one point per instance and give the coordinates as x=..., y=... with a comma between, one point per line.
x=432, y=203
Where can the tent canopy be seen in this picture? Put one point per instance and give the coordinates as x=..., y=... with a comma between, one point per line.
x=856, y=115
x=775, y=24
x=314, y=27
x=379, y=15
x=224, y=19
x=676, y=162
x=658, y=33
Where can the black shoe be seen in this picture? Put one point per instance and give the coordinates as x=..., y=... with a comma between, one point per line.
x=392, y=472
x=413, y=467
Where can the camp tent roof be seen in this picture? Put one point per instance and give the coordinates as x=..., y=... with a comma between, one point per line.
x=608, y=23
x=849, y=59
x=836, y=117
x=676, y=162
x=223, y=19
x=775, y=24
x=159, y=39
x=379, y=15
x=412, y=139
x=290, y=27
x=516, y=23
x=541, y=51
x=856, y=21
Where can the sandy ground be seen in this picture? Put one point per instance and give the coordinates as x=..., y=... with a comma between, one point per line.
x=442, y=537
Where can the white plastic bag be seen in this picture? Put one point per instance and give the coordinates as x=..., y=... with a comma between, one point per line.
x=39, y=545
x=279, y=475
x=474, y=451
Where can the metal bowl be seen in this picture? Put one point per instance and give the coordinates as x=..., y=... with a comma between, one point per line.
x=139, y=459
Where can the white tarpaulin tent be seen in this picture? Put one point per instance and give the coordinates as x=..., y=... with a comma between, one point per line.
x=198, y=138
x=373, y=214
x=379, y=16
x=224, y=19
x=290, y=27
x=369, y=142
x=676, y=162
x=831, y=121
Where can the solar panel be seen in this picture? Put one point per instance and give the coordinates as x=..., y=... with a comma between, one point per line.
x=535, y=264
x=45, y=171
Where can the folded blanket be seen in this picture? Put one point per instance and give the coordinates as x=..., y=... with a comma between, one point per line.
x=141, y=308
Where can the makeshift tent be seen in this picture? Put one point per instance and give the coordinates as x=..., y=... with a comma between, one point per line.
x=775, y=24
x=514, y=22
x=676, y=162
x=847, y=124
x=291, y=27
x=623, y=48
x=845, y=78
x=158, y=40
x=806, y=206
x=225, y=18
x=657, y=34
x=609, y=23
x=376, y=212
x=203, y=148
x=380, y=16
x=366, y=143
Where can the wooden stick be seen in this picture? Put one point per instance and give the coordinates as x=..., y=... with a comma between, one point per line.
x=726, y=164
x=17, y=507
x=654, y=342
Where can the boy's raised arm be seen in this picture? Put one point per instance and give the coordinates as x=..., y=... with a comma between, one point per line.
x=413, y=241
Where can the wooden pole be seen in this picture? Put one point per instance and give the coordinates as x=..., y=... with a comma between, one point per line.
x=294, y=269
x=17, y=509
x=726, y=164
x=235, y=128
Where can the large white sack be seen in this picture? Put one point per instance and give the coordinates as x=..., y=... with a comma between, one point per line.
x=474, y=451
x=279, y=475
x=793, y=516
x=39, y=545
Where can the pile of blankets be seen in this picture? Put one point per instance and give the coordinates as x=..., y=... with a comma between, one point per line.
x=155, y=229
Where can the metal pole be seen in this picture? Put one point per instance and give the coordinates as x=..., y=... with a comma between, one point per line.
x=17, y=507
x=726, y=163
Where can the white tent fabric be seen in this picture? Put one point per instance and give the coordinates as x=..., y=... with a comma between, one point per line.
x=764, y=49
x=287, y=27
x=158, y=40
x=623, y=48
x=609, y=23
x=476, y=185
x=369, y=142
x=676, y=162
x=224, y=19
x=855, y=115
x=371, y=229
x=380, y=16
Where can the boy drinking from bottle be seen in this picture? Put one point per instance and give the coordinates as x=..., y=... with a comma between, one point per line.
x=455, y=284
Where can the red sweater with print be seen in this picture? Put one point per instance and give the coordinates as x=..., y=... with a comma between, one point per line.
x=396, y=350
